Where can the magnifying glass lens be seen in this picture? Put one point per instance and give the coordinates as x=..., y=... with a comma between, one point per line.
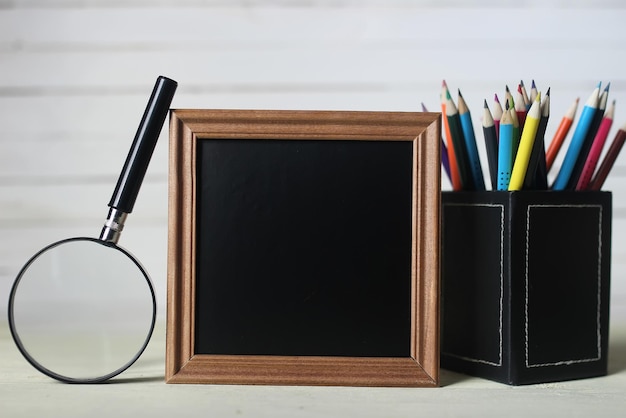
x=82, y=310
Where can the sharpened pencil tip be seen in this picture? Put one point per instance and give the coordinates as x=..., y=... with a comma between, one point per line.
x=533, y=85
x=607, y=86
x=548, y=92
x=495, y=98
x=444, y=84
x=521, y=83
x=485, y=104
x=459, y=91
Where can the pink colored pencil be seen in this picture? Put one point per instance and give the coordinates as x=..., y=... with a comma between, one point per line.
x=520, y=107
x=609, y=160
x=596, y=148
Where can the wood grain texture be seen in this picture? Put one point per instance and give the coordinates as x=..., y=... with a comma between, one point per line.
x=421, y=368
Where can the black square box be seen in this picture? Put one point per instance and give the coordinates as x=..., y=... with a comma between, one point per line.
x=525, y=284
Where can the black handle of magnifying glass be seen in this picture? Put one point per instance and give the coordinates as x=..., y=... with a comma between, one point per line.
x=141, y=150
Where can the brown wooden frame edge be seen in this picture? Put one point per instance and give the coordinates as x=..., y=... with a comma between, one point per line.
x=189, y=126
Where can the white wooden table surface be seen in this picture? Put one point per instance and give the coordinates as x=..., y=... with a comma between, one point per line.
x=141, y=392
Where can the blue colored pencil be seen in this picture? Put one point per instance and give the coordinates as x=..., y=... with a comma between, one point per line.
x=470, y=144
x=588, y=142
x=505, y=151
x=578, y=139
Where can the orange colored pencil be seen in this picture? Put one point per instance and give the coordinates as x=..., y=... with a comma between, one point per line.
x=455, y=177
x=560, y=134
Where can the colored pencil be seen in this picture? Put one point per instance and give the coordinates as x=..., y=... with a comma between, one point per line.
x=455, y=178
x=520, y=108
x=508, y=97
x=596, y=148
x=578, y=138
x=458, y=142
x=533, y=92
x=445, y=162
x=516, y=129
x=467, y=126
x=537, y=175
x=561, y=134
x=497, y=113
x=609, y=160
x=524, y=151
x=505, y=151
x=491, y=145
x=525, y=98
x=591, y=134
x=510, y=104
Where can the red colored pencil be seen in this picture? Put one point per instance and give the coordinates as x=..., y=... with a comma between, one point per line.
x=609, y=160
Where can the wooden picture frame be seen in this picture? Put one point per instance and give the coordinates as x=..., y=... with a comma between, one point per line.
x=188, y=130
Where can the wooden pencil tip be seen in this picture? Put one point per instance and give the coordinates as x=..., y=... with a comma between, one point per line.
x=533, y=85
x=495, y=98
x=444, y=84
x=548, y=92
x=521, y=83
x=459, y=91
x=485, y=104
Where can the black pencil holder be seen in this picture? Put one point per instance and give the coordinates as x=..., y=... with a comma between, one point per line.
x=525, y=284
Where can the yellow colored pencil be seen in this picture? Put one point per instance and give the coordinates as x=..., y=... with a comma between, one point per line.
x=526, y=145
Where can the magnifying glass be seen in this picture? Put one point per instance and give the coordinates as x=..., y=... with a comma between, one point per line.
x=82, y=310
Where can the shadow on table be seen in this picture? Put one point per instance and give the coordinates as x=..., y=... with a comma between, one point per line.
x=617, y=356
x=449, y=378
x=142, y=379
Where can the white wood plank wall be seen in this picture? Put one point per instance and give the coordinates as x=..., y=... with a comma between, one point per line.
x=75, y=76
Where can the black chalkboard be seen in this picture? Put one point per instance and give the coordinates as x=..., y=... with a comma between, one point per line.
x=305, y=247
